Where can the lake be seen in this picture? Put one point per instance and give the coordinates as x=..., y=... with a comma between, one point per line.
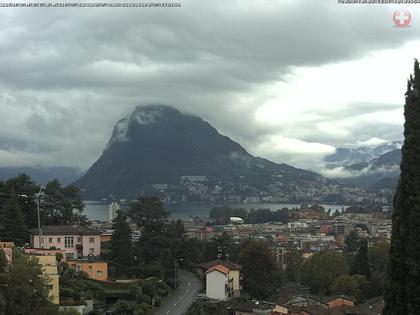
x=96, y=210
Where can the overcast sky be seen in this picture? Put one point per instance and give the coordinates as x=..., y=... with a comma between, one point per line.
x=290, y=80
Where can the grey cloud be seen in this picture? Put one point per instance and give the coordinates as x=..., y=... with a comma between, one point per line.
x=73, y=74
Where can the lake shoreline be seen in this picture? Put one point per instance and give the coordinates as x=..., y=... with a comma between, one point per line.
x=97, y=210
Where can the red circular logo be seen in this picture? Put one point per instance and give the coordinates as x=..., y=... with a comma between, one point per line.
x=402, y=18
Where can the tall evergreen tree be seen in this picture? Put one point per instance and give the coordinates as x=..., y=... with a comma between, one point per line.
x=26, y=190
x=293, y=260
x=121, y=249
x=12, y=222
x=351, y=250
x=402, y=294
x=149, y=213
x=362, y=260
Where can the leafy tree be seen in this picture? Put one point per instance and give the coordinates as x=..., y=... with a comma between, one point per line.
x=121, y=248
x=321, y=269
x=222, y=215
x=403, y=291
x=378, y=257
x=70, y=311
x=26, y=191
x=175, y=229
x=23, y=287
x=76, y=286
x=259, y=281
x=259, y=216
x=59, y=204
x=159, y=250
x=355, y=285
x=351, y=250
x=12, y=222
x=123, y=307
x=149, y=213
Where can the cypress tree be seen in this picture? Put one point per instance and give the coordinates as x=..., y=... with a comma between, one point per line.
x=13, y=222
x=362, y=260
x=121, y=249
x=351, y=251
x=402, y=295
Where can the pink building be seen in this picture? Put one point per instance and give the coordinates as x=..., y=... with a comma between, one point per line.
x=77, y=241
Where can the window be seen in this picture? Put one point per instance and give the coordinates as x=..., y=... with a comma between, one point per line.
x=68, y=241
x=91, y=251
x=50, y=240
x=98, y=272
x=58, y=240
x=91, y=240
x=79, y=268
x=90, y=267
x=79, y=240
x=49, y=287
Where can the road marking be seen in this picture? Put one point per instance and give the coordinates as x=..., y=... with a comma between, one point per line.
x=189, y=283
x=174, y=305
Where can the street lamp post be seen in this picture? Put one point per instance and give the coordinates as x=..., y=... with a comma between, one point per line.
x=41, y=244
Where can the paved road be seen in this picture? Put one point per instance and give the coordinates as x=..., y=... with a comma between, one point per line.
x=189, y=287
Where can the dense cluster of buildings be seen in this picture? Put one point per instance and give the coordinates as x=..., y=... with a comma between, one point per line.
x=308, y=233
x=203, y=189
x=311, y=234
x=308, y=230
x=295, y=299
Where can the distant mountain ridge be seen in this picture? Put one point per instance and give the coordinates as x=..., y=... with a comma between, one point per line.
x=158, y=144
x=349, y=156
x=376, y=168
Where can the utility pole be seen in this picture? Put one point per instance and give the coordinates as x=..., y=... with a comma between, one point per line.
x=41, y=244
x=176, y=275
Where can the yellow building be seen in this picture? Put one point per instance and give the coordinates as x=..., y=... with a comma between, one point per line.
x=97, y=270
x=7, y=244
x=6, y=247
x=50, y=271
x=235, y=275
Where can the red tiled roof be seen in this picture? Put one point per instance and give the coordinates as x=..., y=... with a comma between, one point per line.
x=65, y=230
x=219, y=268
x=228, y=264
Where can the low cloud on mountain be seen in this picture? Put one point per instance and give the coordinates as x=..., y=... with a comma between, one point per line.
x=289, y=80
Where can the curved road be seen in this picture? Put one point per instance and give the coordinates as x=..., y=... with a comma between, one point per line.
x=189, y=287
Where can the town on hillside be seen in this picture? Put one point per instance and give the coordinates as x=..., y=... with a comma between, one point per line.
x=304, y=260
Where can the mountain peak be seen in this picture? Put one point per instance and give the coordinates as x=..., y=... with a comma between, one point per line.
x=148, y=114
x=142, y=115
x=158, y=144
